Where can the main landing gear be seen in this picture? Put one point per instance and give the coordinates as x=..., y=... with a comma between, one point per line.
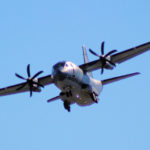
x=67, y=106
x=66, y=103
x=94, y=97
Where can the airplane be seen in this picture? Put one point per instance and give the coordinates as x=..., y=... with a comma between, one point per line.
x=76, y=83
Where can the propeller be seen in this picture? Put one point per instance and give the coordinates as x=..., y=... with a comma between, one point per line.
x=103, y=57
x=30, y=80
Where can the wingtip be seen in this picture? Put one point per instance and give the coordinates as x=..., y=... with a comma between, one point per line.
x=137, y=73
x=48, y=101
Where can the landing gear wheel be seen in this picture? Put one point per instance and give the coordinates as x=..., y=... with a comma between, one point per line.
x=67, y=106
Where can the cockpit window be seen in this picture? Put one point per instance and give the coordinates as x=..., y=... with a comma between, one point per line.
x=60, y=64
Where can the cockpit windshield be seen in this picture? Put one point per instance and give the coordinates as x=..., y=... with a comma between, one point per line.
x=59, y=64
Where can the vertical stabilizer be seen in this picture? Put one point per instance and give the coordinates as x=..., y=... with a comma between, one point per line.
x=86, y=60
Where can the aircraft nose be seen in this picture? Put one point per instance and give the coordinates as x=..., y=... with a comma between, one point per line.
x=57, y=69
x=57, y=75
x=55, y=72
x=59, y=65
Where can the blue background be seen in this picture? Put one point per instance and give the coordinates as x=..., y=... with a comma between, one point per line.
x=41, y=33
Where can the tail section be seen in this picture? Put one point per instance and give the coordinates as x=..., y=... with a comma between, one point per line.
x=86, y=60
x=111, y=80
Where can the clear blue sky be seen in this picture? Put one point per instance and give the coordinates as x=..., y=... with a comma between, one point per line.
x=44, y=32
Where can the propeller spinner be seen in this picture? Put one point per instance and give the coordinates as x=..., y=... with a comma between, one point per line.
x=31, y=81
x=104, y=57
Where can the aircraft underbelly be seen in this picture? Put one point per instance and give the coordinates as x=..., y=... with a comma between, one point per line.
x=83, y=98
x=67, y=84
x=79, y=95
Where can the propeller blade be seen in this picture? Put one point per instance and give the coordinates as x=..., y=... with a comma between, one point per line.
x=30, y=81
x=30, y=90
x=20, y=76
x=103, y=57
x=91, y=51
x=102, y=48
x=102, y=70
x=111, y=52
x=28, y=71
x=37, y=74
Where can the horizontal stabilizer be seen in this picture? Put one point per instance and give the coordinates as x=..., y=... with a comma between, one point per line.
x=53, y=99
x=107, y=81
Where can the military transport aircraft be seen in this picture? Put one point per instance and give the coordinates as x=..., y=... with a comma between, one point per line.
x=76, y=83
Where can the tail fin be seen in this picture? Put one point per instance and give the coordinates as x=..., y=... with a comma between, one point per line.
x=86, y=60
x=107, y=81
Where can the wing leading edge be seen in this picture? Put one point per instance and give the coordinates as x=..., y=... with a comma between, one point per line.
x=14, y=88
x=117, y=58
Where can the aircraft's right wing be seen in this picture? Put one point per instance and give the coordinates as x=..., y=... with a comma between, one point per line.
x=14, y=88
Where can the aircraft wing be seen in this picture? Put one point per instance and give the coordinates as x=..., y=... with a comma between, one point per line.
x=130, y=53
x=117, y=58
x=14, y=88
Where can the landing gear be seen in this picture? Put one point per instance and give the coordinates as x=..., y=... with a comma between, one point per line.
x=67, y=106
x=69, y=94
x=94, y=97
x=67, y=90
x=66, y=95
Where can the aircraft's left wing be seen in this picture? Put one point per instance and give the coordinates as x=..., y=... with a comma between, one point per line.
x=117, y=58
x=14, y=88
